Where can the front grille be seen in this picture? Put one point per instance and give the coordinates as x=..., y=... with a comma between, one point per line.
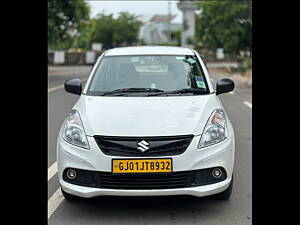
x=145, y=181
x=158, y=146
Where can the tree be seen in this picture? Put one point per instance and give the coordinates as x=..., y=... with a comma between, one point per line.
x=66, y=19
x=123, y=30
x=225, y=24
x=83, y=41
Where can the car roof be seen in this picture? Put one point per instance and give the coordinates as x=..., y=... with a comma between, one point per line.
x=149, y=50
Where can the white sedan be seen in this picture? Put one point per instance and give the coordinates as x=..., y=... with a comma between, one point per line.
x=148, y=122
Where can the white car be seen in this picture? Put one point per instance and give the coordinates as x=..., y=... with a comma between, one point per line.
x=147, y=123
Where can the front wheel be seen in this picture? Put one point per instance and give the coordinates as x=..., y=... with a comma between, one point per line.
x=225, y=194
x=68, y=196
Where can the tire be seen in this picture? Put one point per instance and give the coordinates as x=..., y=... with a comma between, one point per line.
x=68, y=196
x=225, y=194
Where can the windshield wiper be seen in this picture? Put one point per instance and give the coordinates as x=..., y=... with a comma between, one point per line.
x=182, y=91
x=132, y=90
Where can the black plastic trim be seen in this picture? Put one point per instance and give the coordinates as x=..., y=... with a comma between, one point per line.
x=126, y=146
x=145, y=181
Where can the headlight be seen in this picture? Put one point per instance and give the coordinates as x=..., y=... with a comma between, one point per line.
x=74, y=132
x=215, y=129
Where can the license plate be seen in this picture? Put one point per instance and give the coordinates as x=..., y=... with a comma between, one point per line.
x=142, y=165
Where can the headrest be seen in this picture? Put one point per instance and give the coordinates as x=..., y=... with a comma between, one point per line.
x=176, y=67
x=127, y=71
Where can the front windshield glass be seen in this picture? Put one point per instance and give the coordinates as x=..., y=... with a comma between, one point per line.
x=147, y=73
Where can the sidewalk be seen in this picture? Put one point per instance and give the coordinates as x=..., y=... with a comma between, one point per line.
x=221, y=64
x=65, y=70
x=241, y=81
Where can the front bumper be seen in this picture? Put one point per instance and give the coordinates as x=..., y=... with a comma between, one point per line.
x=219, y=155
x=87, y=192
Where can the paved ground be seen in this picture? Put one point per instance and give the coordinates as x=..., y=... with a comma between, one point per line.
x=151, y=210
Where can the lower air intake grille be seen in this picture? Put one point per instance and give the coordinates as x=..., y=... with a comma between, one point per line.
x=145, y=181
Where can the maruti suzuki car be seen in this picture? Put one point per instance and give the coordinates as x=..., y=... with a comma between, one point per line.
x=148, y=122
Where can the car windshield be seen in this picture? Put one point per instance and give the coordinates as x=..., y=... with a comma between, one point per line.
x=143, y=75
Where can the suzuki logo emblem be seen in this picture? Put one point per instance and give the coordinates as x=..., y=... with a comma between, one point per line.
x=143, y=146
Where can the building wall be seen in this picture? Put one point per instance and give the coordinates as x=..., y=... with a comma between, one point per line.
x=154, y=33
x=189, y=33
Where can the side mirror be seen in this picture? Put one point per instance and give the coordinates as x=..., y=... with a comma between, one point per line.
x=73, y=86
x=224, y=85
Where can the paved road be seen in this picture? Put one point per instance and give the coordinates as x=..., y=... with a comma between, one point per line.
x=151, y=210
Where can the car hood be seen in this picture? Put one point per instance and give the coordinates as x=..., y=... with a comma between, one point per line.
x=145, y=116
